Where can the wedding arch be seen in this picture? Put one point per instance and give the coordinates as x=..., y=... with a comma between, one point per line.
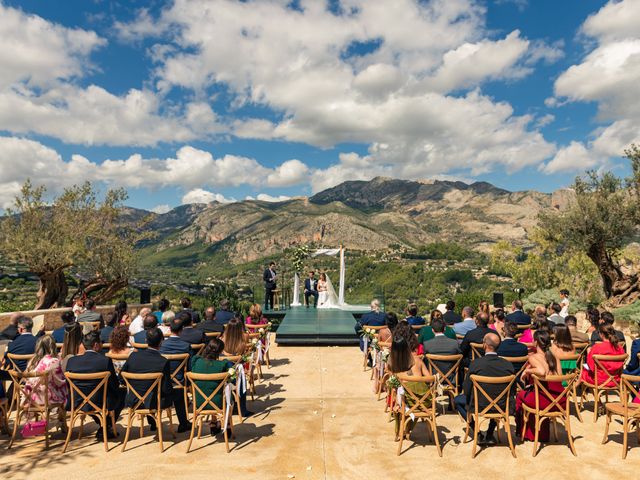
x=330, y=252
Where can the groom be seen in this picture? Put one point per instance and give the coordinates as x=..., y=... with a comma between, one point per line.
x=311, y=290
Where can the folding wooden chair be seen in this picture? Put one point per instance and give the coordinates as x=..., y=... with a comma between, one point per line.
x=4, y=415
x=118, y=357
x=237, y=359
x=581, y=349
x=627, y=409
x=477, y=350
x=598, y=387
x=367, y=351
x=418, y=406
x=197, y=348
x=448, y=380
x=181, y=368
x=139, y=409
x=24, y=404
x=492, y=411
x=13, y=365
x=139, y=346
x=87, y=401
x=208, y=408
x=558, y=408
x=578, y=369
x=253, y=330
x=213, y=334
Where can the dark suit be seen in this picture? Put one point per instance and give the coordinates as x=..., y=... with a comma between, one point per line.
x=270, y=284
x=195, y=316
x=510, y=347
x=442, y=345
x=93, y=362
x=417, y=320
x=373, y=319
x=311, y=291
x=473, y=336
x=633, y=367
x=150, y=360
x=58, y=334
x=174, y=345
x=210, y=326
x=9, y=333
x=91, y=316
x=105, y=334
x=192, y=335
x=24, y=344
x=223, y=317
x=140, y=337
x=450, y=317
x=519, y=317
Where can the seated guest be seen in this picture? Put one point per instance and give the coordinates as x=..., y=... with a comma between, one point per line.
x=255, y=316
x=209, y=324
x=122, y=314
x=475, y=336
x=541, y=363
x=441, y=345
x=71, y=343
x=91, y=361
x=426, y=333
x=404, y=330
x=633, y=367
x=385, y=334
x=11, y=332
x=608, y=319
x=517, y=316
x=45, y=359
x=163, y=306
x=490, y=365
x=374, y=318
x=540, y=323
x=510, y=347
x=119, y=344
x=484, y=307
x=24, y=343
x=186, y=308
x=67, y=319
x=450, y=316
x=234, y=337
x=90, y=314
x=593, y=317
x=206, y=363
x=174, y=343
x=578, y=337
x=466, y=325
x=189, y=334
x=555, y=318
x=609, y=344
x=562, y=346
x=540, y=310
x=223, y=315
x=499, y=320
x=137, y=324
x=150, y=360
x=109, y=325
x=167, y=318
x=413, y=318
x=149, y=322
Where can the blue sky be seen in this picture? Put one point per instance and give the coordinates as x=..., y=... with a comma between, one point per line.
x=196, y=101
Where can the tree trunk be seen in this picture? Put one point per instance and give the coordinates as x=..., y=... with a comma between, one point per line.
x=53, y=290
x=106, y=289
x=619, y=288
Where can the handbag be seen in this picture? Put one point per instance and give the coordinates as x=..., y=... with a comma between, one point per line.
x=33, y=429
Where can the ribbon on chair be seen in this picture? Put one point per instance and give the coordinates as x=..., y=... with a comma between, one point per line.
x=381, y=367
x=241, y=382
x=267, y=343
x=228, y=406
x=400, y=394
x=374, y=359
x=366, y=345
x=259, y=351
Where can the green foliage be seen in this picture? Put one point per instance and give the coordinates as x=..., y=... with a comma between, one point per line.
x=547, y=296
x=298, y=256
x=629, y=313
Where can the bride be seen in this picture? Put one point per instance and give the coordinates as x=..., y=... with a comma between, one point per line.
x=327, y=297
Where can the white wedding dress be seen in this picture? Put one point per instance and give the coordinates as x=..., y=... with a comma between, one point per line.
x=328, y=299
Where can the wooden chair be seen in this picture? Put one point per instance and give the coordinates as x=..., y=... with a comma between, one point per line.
x=555, y=410
x=418, y=406
x=253, y=330
x=626, y=408
x=140, y=409
x=577, y=357
x=448, y=380
x=139, y=346
x=213, y=334
x=518, y=361
x=492, y=411
x=367, y=351
x=106, y=347
x=208, y=408
x=182, y=360
x=598, y=387
x=477, y=350
x=86, y=401
x=236, y=359
x=4, y=415
x=118, y=357
x=25, y=406
x=13, y=365
x=197, y=348
x=417, y=328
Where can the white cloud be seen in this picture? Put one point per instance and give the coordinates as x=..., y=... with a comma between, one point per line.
x=545, y=120
x=198, y=195
x=571, y=158
x=291, y=172
x=164, y=208
x=270, y=198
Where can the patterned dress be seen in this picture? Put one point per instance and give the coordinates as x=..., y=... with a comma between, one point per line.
x=57, y=384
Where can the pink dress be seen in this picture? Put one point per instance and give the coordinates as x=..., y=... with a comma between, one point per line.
x=57, y=387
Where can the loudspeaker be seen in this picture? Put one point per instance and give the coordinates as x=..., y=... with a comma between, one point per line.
x=145, y=295
x=498, y=299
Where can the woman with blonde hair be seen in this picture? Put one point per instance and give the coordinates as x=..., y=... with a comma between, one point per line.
x=255, y=316
x=45, y=359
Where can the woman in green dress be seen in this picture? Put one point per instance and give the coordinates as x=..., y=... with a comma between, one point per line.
x=208, y=362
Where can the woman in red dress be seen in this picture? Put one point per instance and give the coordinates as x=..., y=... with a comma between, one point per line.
x=610, y=345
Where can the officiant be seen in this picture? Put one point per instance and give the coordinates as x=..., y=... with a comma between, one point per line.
x=311, y=289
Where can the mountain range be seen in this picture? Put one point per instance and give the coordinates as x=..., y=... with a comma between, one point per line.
x=362, y=215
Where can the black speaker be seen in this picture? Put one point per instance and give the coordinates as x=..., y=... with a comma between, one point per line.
x=498, y=299
x=145, y=295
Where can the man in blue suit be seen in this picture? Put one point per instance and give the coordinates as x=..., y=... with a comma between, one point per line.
x=374, y=318
x=223, y=315
x=311, y=290
x=67, y=319
x=518, y=316
x=174, y=344
x=24, y=343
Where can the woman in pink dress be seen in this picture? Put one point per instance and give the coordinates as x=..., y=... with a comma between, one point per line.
x=255, y=316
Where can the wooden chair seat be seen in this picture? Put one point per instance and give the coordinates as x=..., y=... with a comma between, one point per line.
x=617, y=408
x=627, y=409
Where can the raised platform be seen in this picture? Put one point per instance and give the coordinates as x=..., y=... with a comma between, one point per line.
x=313, y=326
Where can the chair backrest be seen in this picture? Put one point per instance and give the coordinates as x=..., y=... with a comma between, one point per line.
x=629, y=391
x=154, y=388
x=87, y=399
x=251, y=326
x=106, y=346
x=556, y=401
x=581, y=347
x=197, y=348
x=416, y=327
x=379, y=327
x=493, y=402
x=515, y=361
x=477, y=350
x=610, y=375
x=421, y=403
x=213, y=334
x=231, y=358
x=450, y=377
x=23, y=395
x=180, y=361
x=524, y=327
x=14, y=358
x=208, y=404
x=139, y=346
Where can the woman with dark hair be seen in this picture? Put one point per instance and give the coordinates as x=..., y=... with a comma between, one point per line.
x=72, y=342
x=539, y=323
x=119, y=344
x=593, y=317
x=121, y=313
x=499, y=319
x=390, y=322
x=109, y=325
x=562, y=347
x=163, y=306
x=403, y=329
x=483, y=307
x=610, y=345
x=541, y=363
x=209, y=362
x=234, y=337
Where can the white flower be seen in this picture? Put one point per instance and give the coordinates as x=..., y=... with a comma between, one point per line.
x=254, y=341
x=261, y=330
x=231, y=371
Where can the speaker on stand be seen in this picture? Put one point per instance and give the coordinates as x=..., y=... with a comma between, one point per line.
x=145, y=295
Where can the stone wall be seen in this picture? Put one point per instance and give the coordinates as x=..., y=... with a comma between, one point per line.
x=52, y=315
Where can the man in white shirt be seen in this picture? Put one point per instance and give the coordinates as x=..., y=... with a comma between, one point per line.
x=137, y=323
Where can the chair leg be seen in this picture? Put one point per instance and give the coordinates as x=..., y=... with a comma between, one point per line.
x=72, y=422
x=434, y=428
x=535, y=438
x=129, y=425
x=193, y=429
x=507, y=429
x=46, y=428
x=625, y=438
x=476, y=427
x=16, y=424
x=401, y=432
x=606, y=428
x=595, y=405
x=567, y=427
x=575, y=402
x=159, y=423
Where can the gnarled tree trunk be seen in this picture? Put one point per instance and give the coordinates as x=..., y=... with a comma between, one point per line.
x=102, y=291
x=53, y=290
x=619, y=288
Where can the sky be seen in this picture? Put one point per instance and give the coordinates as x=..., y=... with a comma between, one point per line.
x=221, y=100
